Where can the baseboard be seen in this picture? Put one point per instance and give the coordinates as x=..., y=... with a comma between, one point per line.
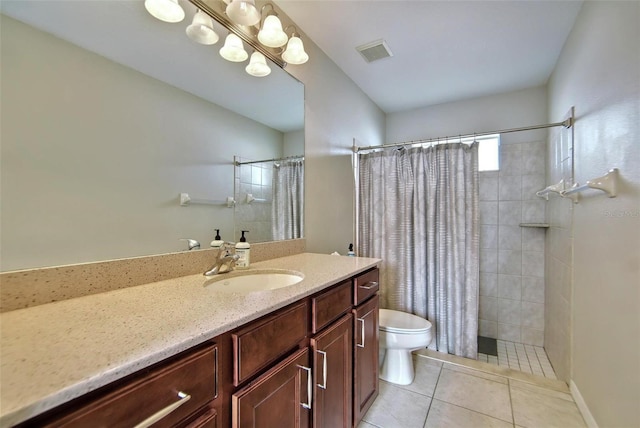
x=582, y=406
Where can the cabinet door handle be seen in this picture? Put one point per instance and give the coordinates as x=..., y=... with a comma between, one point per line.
x=216, y=375
x=361, y=345
x=307, y=405
x=183, y=398
x=324, y=369
x=372, y=284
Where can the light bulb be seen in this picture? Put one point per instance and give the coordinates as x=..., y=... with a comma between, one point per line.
x=271, y=34
x=295, y=54
x=233, y=50
x=165, y=10
x=201, y=29
x=258, y=65
x=243, y=12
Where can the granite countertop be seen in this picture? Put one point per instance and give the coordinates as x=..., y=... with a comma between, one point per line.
x=52, y=353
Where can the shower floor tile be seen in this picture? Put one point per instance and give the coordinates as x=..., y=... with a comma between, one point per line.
x=524, y=358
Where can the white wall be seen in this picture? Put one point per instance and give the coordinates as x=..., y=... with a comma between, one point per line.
x=336, y=112
x=95, y=154
x=484, y=114
x=599, y=73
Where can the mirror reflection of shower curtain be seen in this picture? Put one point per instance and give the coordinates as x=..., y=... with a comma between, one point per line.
x=288, y=199
x=418, y=212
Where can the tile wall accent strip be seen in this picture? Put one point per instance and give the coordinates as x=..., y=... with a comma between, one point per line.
x=32, y=287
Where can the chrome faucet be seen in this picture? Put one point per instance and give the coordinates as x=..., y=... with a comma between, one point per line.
x=192, y=243
x=225, y=262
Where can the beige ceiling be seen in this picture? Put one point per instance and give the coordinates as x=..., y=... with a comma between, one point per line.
x=442, y=50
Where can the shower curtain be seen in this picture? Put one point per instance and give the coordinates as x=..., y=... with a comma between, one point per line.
x=418, y=212
x=288, y=199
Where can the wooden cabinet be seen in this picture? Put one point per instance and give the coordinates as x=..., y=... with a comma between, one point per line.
x=262, y=342
x=365, y=357
x=282, y=397
x=342, y=344
x=312, y=363
x=171, y=394
x=333, y=374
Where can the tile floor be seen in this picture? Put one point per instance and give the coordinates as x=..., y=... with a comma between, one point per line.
x=446, y=394
x=525, y=358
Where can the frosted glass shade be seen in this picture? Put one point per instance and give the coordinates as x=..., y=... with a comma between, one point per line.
x=233, y=50
x=201, y=29
x=243, y=12
x=271, y=33
x=165, y=10
x=258, y=65
x=295, y=54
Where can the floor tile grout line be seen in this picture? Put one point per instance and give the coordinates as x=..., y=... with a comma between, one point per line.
x=433, y=397
x=473, y=410
x=513, y=416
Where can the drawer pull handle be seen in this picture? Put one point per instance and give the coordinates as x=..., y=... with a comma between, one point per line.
x=361, y=345
x=372, y=284
x=307, y=405
x=324, y=370
x=164, y=412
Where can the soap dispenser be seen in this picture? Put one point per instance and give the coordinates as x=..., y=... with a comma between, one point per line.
x=351, y=253
x=243, y=251
x=217, y=241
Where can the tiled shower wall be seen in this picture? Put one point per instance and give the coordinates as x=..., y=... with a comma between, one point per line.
x=559, y=258
x=512, y=257
x=254, y=179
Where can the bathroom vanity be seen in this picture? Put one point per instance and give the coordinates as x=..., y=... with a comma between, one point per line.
x=299, y=356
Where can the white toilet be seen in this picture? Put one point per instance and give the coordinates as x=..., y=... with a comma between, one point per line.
x=400, y=334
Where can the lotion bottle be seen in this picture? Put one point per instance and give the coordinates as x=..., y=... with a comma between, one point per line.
x=217, y=241
x=243, y=251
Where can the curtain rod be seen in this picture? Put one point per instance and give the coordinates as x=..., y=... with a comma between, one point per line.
x=236, y=163
x=566, y=123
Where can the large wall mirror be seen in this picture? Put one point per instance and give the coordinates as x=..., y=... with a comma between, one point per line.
x=109, y=115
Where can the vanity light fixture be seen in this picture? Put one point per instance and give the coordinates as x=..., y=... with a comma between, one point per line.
x=201, y=29
x=243, y=12
x=258, y=65
x=233, y=49
x=260, y=29
x=165, y=10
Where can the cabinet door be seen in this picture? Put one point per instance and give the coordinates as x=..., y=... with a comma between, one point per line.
x=365, y=357
x=279, y=398
x=333, y=373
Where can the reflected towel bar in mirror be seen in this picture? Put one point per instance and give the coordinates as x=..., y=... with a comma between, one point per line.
x=186, y=200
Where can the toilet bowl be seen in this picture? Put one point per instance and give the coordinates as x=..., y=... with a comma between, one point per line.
x=400, y=334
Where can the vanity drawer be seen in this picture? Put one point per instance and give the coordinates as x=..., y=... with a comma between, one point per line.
x=365, y=285
x=330, y=305
x=264, y=341
x=194, y=376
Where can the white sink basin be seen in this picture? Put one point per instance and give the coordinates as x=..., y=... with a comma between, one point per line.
x=254, y=280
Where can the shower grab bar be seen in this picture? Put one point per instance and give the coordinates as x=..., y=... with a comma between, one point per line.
x=608, y=183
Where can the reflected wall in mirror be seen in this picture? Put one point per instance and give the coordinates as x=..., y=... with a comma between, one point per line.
x=108, y=115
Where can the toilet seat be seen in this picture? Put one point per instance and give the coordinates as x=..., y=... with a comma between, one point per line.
x=402, y=323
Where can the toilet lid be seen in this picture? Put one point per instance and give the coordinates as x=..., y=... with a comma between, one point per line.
x=402, y=322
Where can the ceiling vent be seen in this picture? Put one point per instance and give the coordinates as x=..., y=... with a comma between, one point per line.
x=374, y=51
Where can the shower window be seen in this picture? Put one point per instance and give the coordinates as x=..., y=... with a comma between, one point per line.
x=488, y=153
